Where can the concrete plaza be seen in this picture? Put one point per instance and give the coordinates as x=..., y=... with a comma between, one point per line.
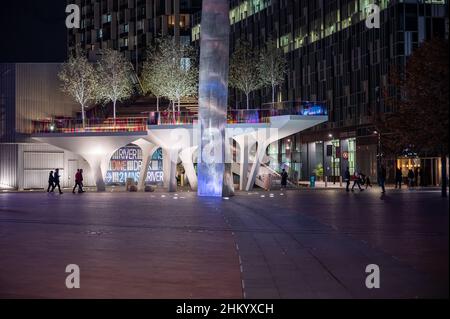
x=292, y=244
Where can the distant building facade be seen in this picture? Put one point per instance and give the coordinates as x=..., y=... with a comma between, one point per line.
x=30, y=92
x=335, y=58
x=131, y=25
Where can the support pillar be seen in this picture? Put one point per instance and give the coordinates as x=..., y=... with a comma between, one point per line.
x=147, y=151
x=170, y=157
x=95, y=162
x=256, y=164
x=243, y=164
x=186, y=157
x=228, y=184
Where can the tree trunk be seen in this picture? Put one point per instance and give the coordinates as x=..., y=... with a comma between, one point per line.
x=114, y=112
x=157, y=104
x=273, y=96
x=248, y=94
x=444, y=175
x=178, y=105
x=173, y=111
x=82, y=116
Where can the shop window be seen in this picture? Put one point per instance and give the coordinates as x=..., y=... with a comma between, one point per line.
x=336, y=158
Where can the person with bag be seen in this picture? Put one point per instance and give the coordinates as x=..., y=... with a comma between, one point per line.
x=356, y=181
x=78, y=181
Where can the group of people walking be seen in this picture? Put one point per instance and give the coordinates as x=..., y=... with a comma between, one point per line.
x=359, y=179
x=54, y=181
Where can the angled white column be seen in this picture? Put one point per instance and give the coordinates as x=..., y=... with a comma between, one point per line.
x=95, y=162
x=260, y=152
x=170, y=157
x=228, y=183
x=172, y=139
x=243, y=143
x=95, y=148
x=186, y=156
x=147, y=151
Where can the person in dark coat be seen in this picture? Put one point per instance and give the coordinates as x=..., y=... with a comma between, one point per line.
x=347, y=179
x=284, y=176
x=78, y=180
x=411, y=177
x=80, y=188
x=50, y=181
x=398, y=178
x=357, y=181
x=365, y=180
x=56, y=177
x=382, y=178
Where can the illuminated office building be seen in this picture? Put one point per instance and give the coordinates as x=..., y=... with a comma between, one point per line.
x=333, y=57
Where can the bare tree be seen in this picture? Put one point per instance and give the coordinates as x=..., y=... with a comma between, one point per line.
x=153, y=77
x=173, y=67
x=114, y=72
x=244, y=70
x=79, y=80
x=272, y=66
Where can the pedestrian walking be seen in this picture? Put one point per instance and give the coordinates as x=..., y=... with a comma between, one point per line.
x=56, y=177
x=398, y=178
x=78, y=181
x=365, y=180
x=357, y=181
x=80, y=189
x=411, y=177
x=50, y=181
x=284, y=176
x=347, y=179
x=382, y=178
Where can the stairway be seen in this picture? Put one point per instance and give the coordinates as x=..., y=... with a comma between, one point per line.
x=263, y=171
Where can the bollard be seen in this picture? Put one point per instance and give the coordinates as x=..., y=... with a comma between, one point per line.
x=326, y=181
x=340, y=181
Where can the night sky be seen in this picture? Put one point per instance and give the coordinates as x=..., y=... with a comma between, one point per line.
x=33, y=31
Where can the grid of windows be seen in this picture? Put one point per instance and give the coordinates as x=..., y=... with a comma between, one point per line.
x=332, y=56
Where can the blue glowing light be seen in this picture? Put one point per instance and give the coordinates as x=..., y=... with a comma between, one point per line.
x=313, y=109
x=210, y=184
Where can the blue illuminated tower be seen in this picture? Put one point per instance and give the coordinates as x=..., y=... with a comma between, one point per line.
x=213, y=96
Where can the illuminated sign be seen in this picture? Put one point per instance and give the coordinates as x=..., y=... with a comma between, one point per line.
x=126, y=163
x=309, y=108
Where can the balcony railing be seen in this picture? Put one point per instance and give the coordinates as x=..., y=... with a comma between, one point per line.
x=141, y=124
x=70, y=125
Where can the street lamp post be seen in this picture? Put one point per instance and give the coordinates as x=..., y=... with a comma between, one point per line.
x=333, y=159
x=378, y=133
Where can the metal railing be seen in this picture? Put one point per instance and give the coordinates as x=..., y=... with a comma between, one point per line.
x=69, y=125
x=139, y=124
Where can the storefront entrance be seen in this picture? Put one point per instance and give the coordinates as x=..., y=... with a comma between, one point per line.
x=427, y=170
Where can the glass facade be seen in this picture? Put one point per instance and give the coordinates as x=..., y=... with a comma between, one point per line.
x=336, y=158
x=351, y=155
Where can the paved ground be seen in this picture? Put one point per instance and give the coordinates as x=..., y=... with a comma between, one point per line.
x=296, y=244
